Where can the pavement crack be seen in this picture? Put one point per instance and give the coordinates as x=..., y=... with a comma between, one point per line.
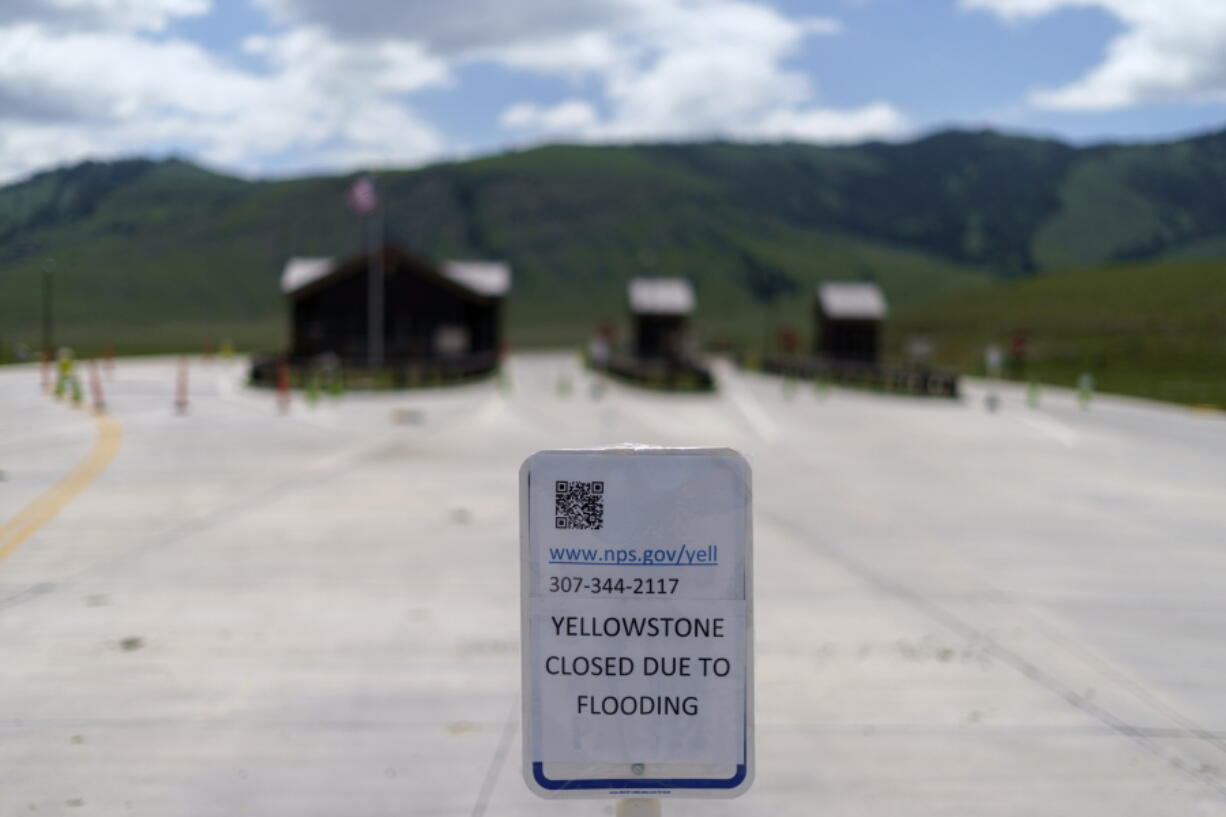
x=1013, y=659
x=498, y=760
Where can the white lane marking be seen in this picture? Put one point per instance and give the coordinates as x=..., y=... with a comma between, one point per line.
x=1057, y=431
x=749, y=408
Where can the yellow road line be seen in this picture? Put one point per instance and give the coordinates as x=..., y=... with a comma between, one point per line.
x=49, y=503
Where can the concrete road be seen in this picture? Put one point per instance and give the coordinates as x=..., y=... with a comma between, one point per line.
x=958, y=612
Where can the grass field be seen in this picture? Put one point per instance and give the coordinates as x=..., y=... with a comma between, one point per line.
x=1151, y=330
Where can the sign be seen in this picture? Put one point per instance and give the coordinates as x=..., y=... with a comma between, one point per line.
x=637, y=622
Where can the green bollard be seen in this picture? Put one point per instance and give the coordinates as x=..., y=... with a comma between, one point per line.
x=1085, y=389
x=1032, y=394
x=311, y=387
x=821, y=387
x=77, y=392
x=63, y=371
x=563, y=387
x=504, y=380
x=789, y=387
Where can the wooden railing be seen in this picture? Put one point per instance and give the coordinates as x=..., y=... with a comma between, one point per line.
x=658, y=373
x=395, y=373
x=913, y=379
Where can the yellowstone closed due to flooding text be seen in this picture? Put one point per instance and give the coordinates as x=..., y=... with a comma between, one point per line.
x=637, y=640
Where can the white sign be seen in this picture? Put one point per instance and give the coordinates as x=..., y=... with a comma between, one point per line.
x=637, y=622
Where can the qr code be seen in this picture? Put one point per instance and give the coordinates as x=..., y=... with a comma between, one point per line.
x=578, y=505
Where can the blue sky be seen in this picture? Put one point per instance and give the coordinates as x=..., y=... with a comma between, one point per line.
x=268, y=87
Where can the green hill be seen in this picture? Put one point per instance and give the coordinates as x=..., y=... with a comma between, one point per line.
x=163, y=255
x=1152, y=329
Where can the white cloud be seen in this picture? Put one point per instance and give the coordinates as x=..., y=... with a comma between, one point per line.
x=74, y=94
x=664, y=69
x=1170, y=50
x=707, y=68
x=309, y=55
x=148, y=15
x=679, y=69
x=333, y=88
x=454, y=28
x=834, y=125
x=1020, y=9
x=586, y=53
x=566, y=117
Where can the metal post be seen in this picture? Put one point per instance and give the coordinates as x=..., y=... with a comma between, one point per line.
x=638, y=807
x=181, y=386
x=992, y=360
x=95, y=387
x=374, y=338
x=282, y=378
x=48, y=294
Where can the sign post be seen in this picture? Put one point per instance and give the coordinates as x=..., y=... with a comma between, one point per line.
x=637, y=620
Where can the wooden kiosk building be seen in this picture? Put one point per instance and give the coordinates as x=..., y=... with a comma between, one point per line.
x=848, y=321
x=660, y=309
x=848, y=318
x=663, y=352
x=440, y=321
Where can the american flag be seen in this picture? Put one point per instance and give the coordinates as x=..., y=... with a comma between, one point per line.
x=361, y=196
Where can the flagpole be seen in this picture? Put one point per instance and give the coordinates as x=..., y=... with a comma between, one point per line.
x=374, y=295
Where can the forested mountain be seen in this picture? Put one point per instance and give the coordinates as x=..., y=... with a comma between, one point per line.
x=155, y=254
